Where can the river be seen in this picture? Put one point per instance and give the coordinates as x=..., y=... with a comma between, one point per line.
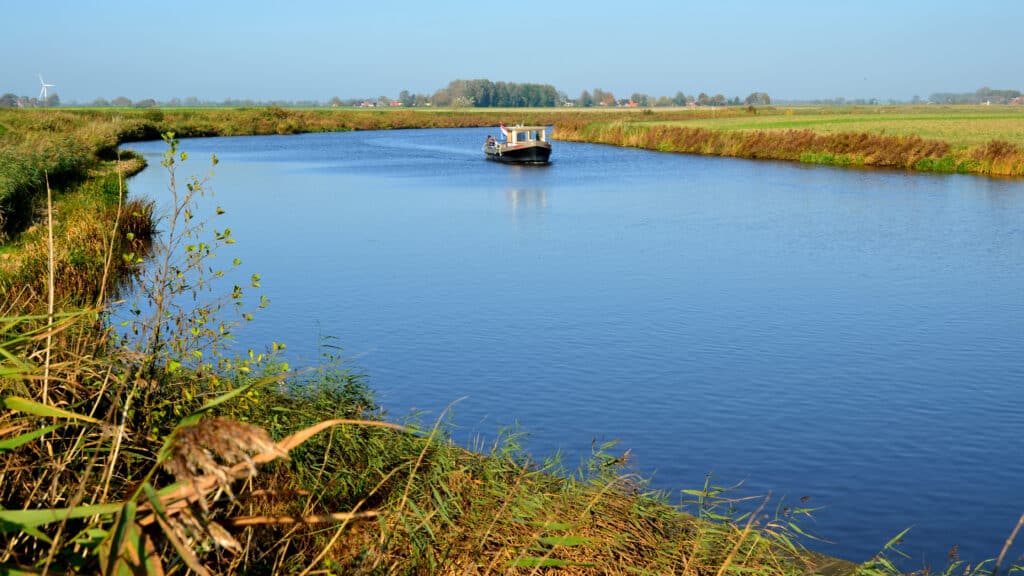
x=852, y=336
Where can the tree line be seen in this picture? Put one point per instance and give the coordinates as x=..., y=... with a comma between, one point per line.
x=984, y=95
x=482, y=93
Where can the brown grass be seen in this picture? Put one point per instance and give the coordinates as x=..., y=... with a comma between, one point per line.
x=873, y=149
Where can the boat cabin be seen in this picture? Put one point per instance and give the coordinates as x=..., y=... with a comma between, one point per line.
x=525, y=134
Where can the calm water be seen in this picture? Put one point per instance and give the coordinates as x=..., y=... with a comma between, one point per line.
x=851, y=336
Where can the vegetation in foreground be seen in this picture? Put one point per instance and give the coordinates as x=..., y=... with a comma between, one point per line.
x=147, y=448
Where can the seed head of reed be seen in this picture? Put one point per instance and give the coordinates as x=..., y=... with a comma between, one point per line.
x=216, y=447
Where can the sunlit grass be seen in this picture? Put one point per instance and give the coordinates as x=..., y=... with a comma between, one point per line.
x=960, y=126
x=965, y=139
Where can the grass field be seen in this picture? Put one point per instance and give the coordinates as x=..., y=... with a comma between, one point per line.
x=960, y=126
x=965, y=139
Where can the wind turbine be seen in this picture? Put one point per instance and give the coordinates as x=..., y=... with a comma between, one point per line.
x=42, y=90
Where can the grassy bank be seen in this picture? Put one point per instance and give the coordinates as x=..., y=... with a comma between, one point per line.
x=147, y=447
x=968, y=139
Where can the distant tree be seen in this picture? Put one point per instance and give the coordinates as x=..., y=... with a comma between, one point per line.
x=441, y=98
x=703, y=99
x=192, y=101
x=8, y=100
x=147, y=103
x=585, y=100
x=758, y=99
x=174, y=102
x=502, y=97
x=421, y=100
x=52, y=100
x=100, y=103
x=718, y=100
x=640, y=99
x=604, y=98
x=121, y=102
x=679, y=99
x=383, y=101
x=916, y=99
x=663, y=101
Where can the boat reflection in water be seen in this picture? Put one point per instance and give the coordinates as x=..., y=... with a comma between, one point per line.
x=526, y=201
x=522, y=145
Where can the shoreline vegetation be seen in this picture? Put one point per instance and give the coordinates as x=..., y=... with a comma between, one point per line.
x=150, y=447
x=964, y=140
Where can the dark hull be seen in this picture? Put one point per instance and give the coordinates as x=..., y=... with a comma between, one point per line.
x=535, y=154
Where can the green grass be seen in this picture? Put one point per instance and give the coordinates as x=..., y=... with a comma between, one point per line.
x=965, y=139
x=960, y=126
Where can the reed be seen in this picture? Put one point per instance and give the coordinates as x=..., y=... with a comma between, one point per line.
x=836, y=139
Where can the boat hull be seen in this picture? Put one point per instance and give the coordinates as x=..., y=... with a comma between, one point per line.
x=539, y=153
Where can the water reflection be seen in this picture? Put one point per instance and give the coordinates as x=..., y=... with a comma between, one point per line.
x=526, y=201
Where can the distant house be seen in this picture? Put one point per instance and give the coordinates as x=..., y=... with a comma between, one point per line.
x=395, y=103
x=1018, y=101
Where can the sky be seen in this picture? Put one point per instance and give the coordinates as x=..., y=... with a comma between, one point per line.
x=315, y=50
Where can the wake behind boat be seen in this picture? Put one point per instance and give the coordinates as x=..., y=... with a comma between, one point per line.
x=522, y=145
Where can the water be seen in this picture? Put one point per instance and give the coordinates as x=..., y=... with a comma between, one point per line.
x=851, y=336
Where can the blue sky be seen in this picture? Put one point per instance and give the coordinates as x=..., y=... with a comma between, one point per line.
x=313, y=50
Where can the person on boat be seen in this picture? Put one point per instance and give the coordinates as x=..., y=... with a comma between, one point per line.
x=490, y=140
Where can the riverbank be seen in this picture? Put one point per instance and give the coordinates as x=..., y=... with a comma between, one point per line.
x=100, y=433
x=966, y=139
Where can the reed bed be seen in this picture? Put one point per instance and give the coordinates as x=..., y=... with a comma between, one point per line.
x=959, y=144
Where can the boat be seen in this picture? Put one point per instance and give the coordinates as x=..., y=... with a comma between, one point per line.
x=522, y=145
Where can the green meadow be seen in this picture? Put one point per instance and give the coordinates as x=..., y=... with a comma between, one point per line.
x=983, y=140
x=960, y=126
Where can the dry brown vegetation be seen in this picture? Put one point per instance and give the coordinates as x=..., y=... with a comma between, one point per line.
x=791, y=138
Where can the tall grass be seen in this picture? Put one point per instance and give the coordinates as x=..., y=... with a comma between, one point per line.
x=908, y=151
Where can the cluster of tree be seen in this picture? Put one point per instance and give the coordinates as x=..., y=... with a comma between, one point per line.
x=10, y=100
x=980, y=96
x=600, y=97
x=487, y=94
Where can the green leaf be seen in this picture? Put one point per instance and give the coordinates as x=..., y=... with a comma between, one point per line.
x=796, y=528
x=122, y=537
x=532, y=562
x=15, y=520
x=11, y=443
x=552, y=525
x=32, y=407
x=11, y=570
x=194, y=417
x=563, y=540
